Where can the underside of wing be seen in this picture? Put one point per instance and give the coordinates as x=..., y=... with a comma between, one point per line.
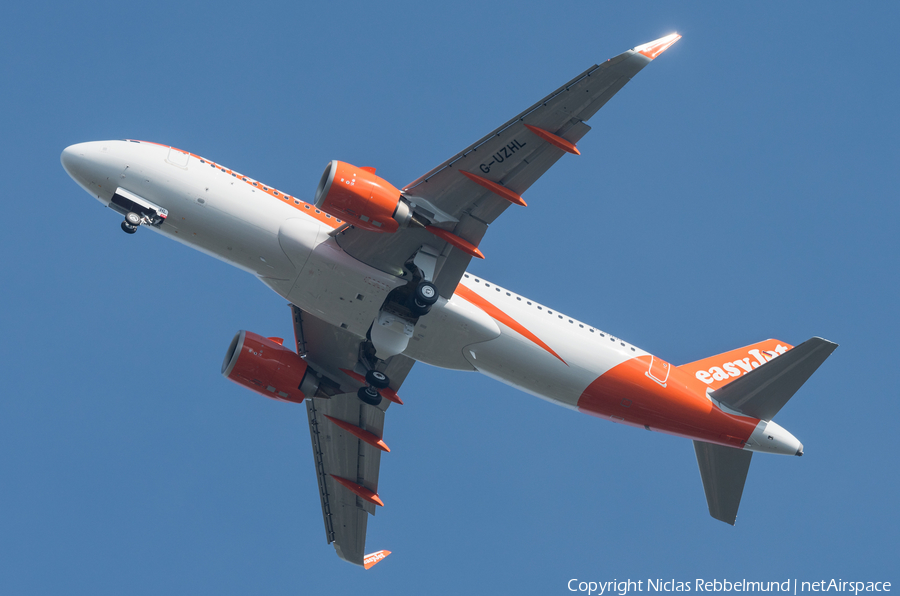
x=463, y=195
x=346, y=433
x=341, y=456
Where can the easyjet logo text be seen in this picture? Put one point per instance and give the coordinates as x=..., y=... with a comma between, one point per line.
x=739, y=367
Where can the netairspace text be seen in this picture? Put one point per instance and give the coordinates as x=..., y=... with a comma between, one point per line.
x=791, y=586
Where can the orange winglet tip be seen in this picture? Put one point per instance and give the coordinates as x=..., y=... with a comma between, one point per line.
x=362, y=435
x=277, y=340
x=456, y=241
x=497, y=189
x=370, y=560
x=553, y=139
x=387, y=393
x=655, y=48
x=360, y=491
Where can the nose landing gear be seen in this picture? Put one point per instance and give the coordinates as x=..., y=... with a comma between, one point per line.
x=138, y=211
x=131, y=223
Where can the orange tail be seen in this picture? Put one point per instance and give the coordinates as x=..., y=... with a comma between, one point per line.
x=717, y=371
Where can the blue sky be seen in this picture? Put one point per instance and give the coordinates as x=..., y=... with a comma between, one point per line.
x=742, y=186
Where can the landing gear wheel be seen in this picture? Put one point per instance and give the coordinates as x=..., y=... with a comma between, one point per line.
x=368, y=395
x=377, y=379
x=133, y=219
x=423, y=297
x=128, y=228
x=426, y=293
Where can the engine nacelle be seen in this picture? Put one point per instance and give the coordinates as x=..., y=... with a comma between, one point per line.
x=268, y=368
x=361, y=198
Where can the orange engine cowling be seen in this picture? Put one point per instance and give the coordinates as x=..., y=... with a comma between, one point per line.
x=266, y=367
x=361, y=198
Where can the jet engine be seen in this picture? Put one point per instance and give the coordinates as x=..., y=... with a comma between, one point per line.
x=361, y=198
x=268, y=368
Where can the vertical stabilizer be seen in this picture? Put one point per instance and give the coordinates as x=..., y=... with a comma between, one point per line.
x=723, y=471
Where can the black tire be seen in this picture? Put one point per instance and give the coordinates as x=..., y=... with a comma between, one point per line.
x=423, y=298
x=418, y=310
x=368, y=395
x=128, y=228
x=426, y=294
x=133, y=218
x=377, y=379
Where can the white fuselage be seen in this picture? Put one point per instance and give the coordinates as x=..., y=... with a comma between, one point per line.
x=285, y=242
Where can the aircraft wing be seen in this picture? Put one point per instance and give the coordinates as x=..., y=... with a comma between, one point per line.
x=508, y=161
x=337, y=451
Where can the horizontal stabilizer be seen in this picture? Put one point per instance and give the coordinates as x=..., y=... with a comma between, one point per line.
x=762, y=392
x=723, y=471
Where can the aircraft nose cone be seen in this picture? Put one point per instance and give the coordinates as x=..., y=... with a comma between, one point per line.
x=69, y=158
x=76, y=160
x=91, y=165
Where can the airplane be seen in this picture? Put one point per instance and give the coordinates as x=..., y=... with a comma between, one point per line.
x=376, y=279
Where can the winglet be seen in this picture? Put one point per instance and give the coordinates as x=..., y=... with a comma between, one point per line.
x=655, y=48
x=370, y=560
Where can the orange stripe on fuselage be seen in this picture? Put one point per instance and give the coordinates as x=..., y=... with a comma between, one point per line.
x=626, y=394
x=500, y=316
x=301, y=205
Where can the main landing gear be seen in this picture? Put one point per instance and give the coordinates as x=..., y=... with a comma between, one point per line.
x=423, y=298
x=375, y=381
x=131, y=223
